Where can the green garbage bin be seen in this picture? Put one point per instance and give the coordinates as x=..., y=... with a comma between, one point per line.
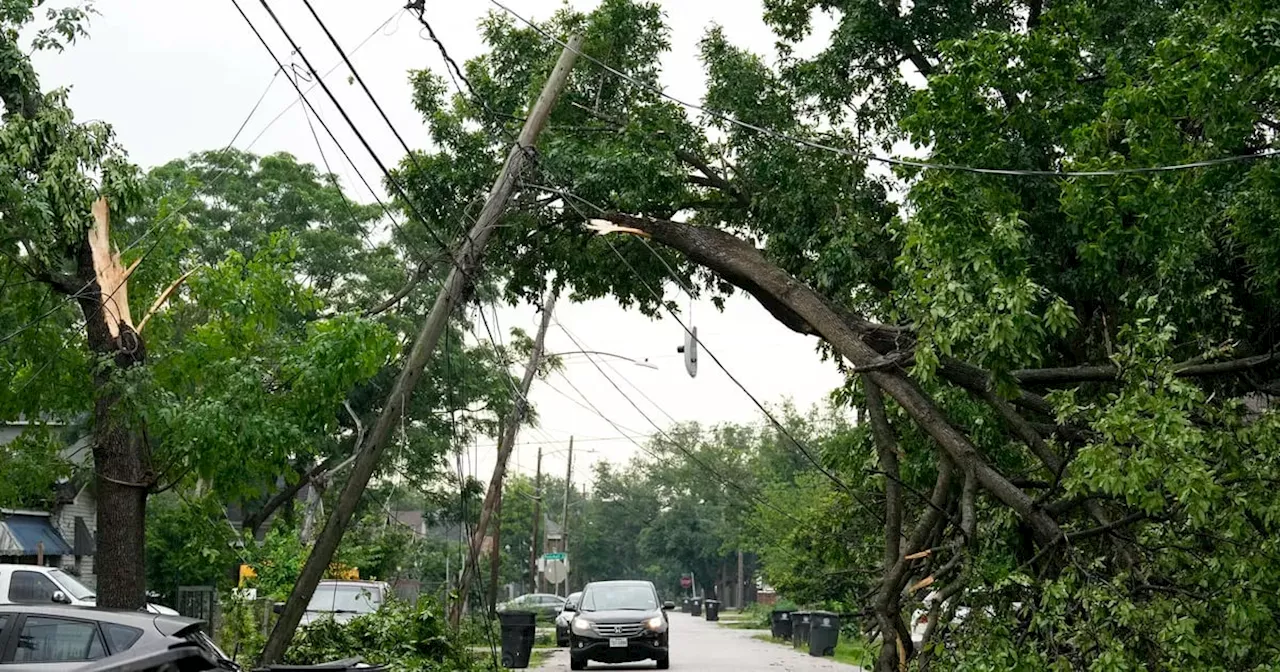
x=800, y=629
x=824, y=633
x=713, y=610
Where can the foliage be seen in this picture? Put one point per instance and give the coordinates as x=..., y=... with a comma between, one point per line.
x=401, y=635
x=32, y=463
x=189, y=543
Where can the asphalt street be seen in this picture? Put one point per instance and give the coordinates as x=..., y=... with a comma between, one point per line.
x=699, y=646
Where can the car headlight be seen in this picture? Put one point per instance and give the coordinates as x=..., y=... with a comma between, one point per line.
x=581, y=625
x=655, y=623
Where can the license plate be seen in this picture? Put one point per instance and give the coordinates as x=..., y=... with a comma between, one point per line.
x=617, y=642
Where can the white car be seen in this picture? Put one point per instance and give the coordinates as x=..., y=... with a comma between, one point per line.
x=344, y=600
x=34, y=584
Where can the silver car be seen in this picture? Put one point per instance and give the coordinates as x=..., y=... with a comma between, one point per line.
x=567, y=612
x=344, y=600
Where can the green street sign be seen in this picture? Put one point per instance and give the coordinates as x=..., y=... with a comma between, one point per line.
x=553, y=556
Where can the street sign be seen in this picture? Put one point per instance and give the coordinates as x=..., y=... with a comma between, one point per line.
x=555, y=570
x=553, y=556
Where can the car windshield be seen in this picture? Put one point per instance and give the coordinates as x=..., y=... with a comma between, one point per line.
x=346, y=599
x=621, y=597
x=74, y=589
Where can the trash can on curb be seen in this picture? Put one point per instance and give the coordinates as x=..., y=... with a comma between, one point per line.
x=684, y=605
x=695, y=606
x=824, y=633
x=713, y=610
x=800, y=629
x=518, y=630
x=780, y=623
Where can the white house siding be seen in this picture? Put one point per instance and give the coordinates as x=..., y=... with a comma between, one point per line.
x=83, y=506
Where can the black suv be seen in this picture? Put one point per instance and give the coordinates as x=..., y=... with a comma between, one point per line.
x=619, y=622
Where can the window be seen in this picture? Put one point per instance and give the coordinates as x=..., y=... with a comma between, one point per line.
x=31, y=588
x=4, y=621
x=55, y=640
x=344, y=599
x=71, y=586
x=120, y=637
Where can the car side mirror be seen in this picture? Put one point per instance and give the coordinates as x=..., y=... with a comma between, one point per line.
x=668, y=606
x=278, y=608
x=570, y=607
x=60, y=597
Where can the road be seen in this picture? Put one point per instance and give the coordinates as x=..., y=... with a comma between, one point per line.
x=699, y=646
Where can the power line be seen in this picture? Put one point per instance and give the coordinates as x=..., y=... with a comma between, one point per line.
x=870, y=156
x=689, y=454
x=328, y=72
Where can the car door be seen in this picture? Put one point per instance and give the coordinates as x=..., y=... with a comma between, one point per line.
x=39, y=642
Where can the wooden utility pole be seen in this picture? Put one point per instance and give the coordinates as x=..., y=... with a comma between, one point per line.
x=534, y=547
x=495, y=555
x=564, y=531
x=741, y=583
x=454, y=292
x=506, y=443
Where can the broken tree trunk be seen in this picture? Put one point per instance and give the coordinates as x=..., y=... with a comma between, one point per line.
x=122, y=461
x=507, y=441
x=453, y=293
x=802, y=309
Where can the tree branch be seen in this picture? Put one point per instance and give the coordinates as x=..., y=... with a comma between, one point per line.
x=1101, y=373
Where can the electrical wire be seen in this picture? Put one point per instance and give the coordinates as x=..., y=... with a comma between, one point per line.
x=868, y=156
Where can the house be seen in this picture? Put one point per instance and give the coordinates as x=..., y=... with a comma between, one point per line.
x=63, y=536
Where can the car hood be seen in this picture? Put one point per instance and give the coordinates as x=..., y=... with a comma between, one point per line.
x=620, y=615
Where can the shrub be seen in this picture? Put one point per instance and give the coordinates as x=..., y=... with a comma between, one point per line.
x=405, y=637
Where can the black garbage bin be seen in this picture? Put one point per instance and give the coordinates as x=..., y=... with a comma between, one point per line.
x=713, y=610
x=824, y=633
x=518, y=630
x=695, y=606
x=684, y=606
x=800, y=629
x=780, y=623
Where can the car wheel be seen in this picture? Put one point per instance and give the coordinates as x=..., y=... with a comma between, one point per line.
x=664, y=663
x=576, y=663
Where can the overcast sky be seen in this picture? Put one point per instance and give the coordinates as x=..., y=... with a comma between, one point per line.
x=179, y=77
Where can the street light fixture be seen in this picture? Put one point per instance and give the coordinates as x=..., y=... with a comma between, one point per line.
x=638, y=362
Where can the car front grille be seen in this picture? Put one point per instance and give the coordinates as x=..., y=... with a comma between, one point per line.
x=618, y=629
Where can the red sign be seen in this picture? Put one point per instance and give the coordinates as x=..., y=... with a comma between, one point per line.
x=686, y=582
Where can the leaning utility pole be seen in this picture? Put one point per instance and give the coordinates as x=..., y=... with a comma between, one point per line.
x=506, y=443
x=534, y=550
x=454, y=292
x=564, y=531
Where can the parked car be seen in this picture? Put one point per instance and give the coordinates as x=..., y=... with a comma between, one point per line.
x=37, y=637
x=545, y=605
x=619, y=622
x=35, y=584
x=344, y=600
x=565, y=617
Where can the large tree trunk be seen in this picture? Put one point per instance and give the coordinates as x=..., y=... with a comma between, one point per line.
x=122, y=460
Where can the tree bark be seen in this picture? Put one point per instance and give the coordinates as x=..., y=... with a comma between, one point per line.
x=456, y=287
x=887, y=606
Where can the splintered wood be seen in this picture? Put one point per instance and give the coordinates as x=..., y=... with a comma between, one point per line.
x=112, y=276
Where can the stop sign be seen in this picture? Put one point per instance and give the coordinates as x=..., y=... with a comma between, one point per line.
x=686, y=581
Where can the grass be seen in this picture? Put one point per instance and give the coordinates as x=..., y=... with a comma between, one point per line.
x=539, y=657
x=858, y=652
